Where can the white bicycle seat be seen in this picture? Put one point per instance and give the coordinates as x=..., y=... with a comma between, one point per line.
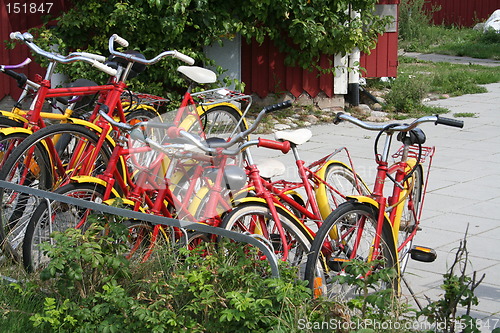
x=198, y=74
x=271, y=168
x=297, y=137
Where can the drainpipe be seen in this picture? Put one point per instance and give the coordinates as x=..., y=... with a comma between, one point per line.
x=354, y=57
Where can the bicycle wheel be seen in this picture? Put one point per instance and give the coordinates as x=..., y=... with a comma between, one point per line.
x=57, y=216
x=346, y=235
x=408, y=221
x=222, y=121
x=33, y=163
x=255, y=218
x=9, y=140
x=344, y=183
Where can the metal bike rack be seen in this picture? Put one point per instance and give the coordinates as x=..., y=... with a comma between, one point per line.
x=153, y=219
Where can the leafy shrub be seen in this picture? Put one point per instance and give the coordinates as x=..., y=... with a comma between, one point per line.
x=407, y=93
x=303, y=30
x=90, y=287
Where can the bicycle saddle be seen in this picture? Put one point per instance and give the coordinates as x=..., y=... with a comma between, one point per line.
x=414, y=136
x=198, y=74
x=137, y=68
x=297, y=137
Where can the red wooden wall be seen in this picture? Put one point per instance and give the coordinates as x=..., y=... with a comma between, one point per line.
x=462, y=12
x=10, y=22
x=263, y=71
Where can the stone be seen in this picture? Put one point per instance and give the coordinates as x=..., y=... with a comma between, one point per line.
x=378, y=116
x=281, y=127
x=312, y=119
x=377, y=107
x=493, y=22
x=322, y=101
x=362, y=109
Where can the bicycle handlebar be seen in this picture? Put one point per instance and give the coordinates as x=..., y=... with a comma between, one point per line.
x=174, y=132
x=398, y=127
x=19, y=77
x=93, y=59
x=131, y=57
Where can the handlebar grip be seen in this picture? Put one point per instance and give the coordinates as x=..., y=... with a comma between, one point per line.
x=16, y=35
x=338, y=119
x=276, y=107
x=181, y=56
x=284, y=146
x=122, y=41
x=19, y=77
x=97, y=57
x=449, y=122
x=104, y=68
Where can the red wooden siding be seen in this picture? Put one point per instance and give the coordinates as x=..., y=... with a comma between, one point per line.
x=264, y=72
x=10, y=22
x=383, y=60
x=462, y=12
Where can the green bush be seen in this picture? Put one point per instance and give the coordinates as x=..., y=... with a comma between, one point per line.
x=89, y=287
x=407, y=93
x=303, y=30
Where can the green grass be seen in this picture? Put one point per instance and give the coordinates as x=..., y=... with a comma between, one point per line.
x=420, y=79
x=454, y=41
x=465, y=115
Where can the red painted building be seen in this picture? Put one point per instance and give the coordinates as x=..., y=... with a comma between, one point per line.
x=462, y=12
x=263, y=71
x=262, y=66
x=19, y=16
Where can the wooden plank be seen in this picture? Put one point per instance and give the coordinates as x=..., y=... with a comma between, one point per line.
x=326, y=83
x=311, y=82
x=260, y=69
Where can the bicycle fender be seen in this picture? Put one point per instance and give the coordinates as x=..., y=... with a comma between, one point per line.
x=196, y=202
x=11, y=130
x=366, y=200
x=13, y=116
x=125, y=202
x=320, y=190
x=93, y=180
x=98, y=130
x=143, y=107
x=93, y=126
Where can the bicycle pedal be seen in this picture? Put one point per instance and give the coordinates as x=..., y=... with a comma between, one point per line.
x=336, y=263
x=423, y=254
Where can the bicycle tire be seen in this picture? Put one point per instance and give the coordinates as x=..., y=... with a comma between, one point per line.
x=337, y=234
x=40, y=173
x=342, y=178
x=62, y=217
x=6, y=122
x=242, y=217
x=8, y=142
x=222, y=121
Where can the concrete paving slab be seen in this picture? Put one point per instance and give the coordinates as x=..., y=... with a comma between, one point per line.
x=464, y=190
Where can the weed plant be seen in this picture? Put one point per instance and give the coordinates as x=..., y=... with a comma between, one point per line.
x=418, y=34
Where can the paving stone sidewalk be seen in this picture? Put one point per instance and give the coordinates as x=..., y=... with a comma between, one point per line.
x=464, y=191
